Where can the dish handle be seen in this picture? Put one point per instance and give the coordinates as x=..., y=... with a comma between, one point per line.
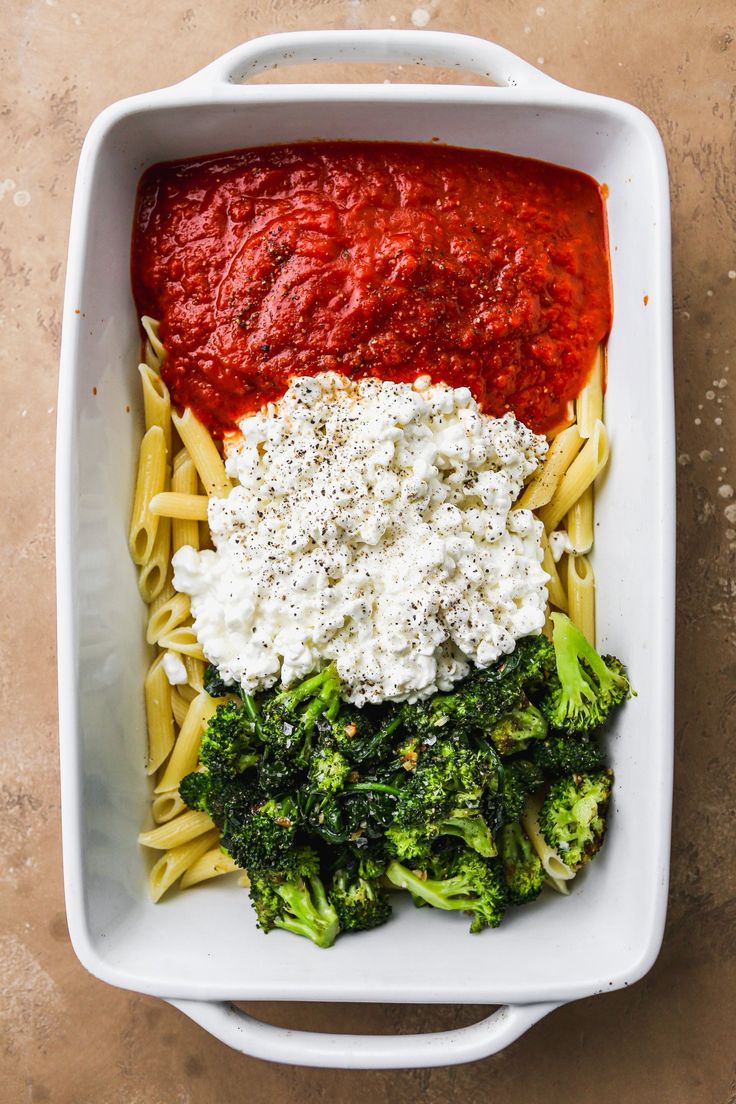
x=250, y=1036
x=433, y=48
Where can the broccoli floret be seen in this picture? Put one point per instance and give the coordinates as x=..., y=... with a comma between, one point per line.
x=516, y=730
x=442, y=798
x=572, y=816
x=560, y=754
x=409, y=845
x=368, y=859
x=328, y=770
x=194, y=790
x=229, y=743
x=586, y=687
x=293, y=898
x=469, y=882
x=520, y=778
x=522, y=867
x=259, y=836
x=478, y=701
x=469, y=826
x=360, y=903
x=288, y=721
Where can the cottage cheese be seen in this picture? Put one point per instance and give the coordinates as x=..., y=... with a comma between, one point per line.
x=371, y=524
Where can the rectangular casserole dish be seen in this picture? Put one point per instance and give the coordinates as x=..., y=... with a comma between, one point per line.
x=608, y=933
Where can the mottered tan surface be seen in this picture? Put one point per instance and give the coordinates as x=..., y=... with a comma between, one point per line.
x=66, y=1038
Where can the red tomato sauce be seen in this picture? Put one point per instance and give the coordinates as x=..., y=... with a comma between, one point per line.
x=383, y=259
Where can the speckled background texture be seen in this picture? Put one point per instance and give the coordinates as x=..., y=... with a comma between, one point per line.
x=65, y=1037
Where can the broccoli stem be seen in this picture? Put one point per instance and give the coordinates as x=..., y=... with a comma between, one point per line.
x=252, y=710
x=367, y=787
x=448, y=894
x=313, y=915
x=570, y=647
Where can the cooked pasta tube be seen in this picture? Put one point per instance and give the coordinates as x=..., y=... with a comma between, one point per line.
x=553, y=865
x=580, y=523
x=186, y=507
x=589, y=405
x=152, y=576
x=204, y=454
x=167, y=592
x=182, y=639
x=587, y=465
x=150, y=481
x=179, y=705
x=159, y=717
x=183, y=758
x=195, y=669
x=175, y=832
x=244, y=881
x=167, y=617
x=210, y=865
x=184, y=481
x=559, y=885
x=555, y=589
x=543, y=484
x=172, y=864
x=166, y=806
x=151, y=327
x=156, y=402
x=581, y=595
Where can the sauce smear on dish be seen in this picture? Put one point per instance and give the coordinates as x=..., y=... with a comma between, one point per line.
x=373, y=259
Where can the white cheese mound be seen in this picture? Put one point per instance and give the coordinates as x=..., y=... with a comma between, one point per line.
x=373, y=526
x=174, y=669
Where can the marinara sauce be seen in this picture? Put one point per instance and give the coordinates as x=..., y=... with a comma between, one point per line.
x=382, y=259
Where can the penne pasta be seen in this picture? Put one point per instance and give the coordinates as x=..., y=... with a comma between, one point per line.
x=167, y=616
x=553, y=865
x=195, y=672
x=543, y=484
x=173, y=863
x=159, y=717
x=209, y=865
x=182, y=639
x=184, y=531
x=179, y=705
x=175, y=832
x=167, y=591
x=559, y=885
x=156, y=402
x=555, y=589
x=184, y=757
x=151, y=327
x=581, y=595
x=579, y=523
x=166, y=806
x=589, y=405
x=586, y=466
x=150, y=481
x=152, y=576
x=204, y=454
x=186, y=507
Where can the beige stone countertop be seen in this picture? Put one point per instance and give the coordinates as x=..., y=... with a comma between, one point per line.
x=69, y=1039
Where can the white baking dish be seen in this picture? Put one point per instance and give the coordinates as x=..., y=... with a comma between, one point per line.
x=608, y=933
